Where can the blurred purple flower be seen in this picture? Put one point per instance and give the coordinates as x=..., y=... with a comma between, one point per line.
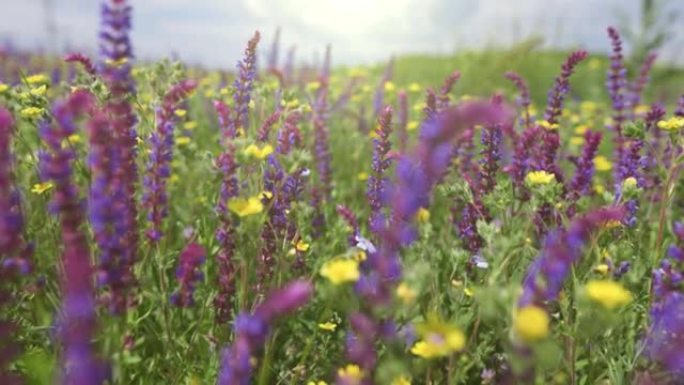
x=188, y=274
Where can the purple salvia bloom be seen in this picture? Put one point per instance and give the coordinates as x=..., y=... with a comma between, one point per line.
x=85, y=62
x=106, y=212
x=251, y=331
x=13, y=250
x=561, y=251
x=636, y=87
x=289, y=136
x=267, y=126
x=155, y=197
x=630, y=167
x=272, y=64
x=561, y=87
x=273, y=177
x=584, y=170
x=321, y=151
x=188, y=274
x=402, y=117
x=77, y=319
x=225, y=234
x=430, y=110
x=466, y=225
x=523, y=98
x=318, y=219
x=524, y=155
x=617, y=87
x=653, y=153
x=377, y=182
x=491, y=140
x=379, y=96
x=224, y=119
x=244, y=83
x=350, y=218
x=443, y=100
x=115, y=66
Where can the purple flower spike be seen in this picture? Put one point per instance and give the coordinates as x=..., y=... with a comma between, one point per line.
x=267, y=126
x=85, y=62
x=581, y=182
x=115, y=63
x=523, y=98
x=188, y=274
x=492, y=140
x=348, y=215
x=77, y=320
x=289, y=136
x=251, y=331
x=106, y=215
x=554, y=106
x=562, y=250
x=680, y=107
x=443, y=100
x=244, y=83
x=377, y=183
x=636, y=88
x=616, y=84
x=379, y=96
x=155, y=197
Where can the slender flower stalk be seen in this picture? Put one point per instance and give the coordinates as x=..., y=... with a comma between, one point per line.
x=523, y=98
x=155, y=197
x=188, y=274
x=251, y=331
x=377, y=182
x=653, y=158
x=266, y=127
x=85, y=62
x=443, y=100
x=617, y=88
x=636, y=87
x=14, y=252
x=244, y=83
x=350, y=218
x=78, y=320
x=490, y=157
x=524, y=155
x=430, y=110
x=379, y=96
x=289, y=136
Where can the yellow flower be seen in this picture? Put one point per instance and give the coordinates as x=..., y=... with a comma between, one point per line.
x=602, y=164
x=183, y=141
x=40, y=188
x=611, y=224
x=224, y=91
x=588, y=106
x=40, y=91
x=468, y=291
x=313, y=86
x=577, y=140
x=673, y=124
x=302, y=246
x=316, y=383
x=260, y=153
x=245, y=206
x=414, y=87
x=328, y=326
x=608, y=293
x=599, y=189
x=539, y=177
x=580, y=130
x=419, y=106
x=351, y=374
x=423, y=215
x=548, y=126
x=439, y=339
x=180, y=112
x=629, y=183
x=341, y=270
x=209, y=94
x=37, y=79
x=401, y=380
x=362, y=176
x=389, y=86
x=191, y=125
x=359, y=255
x=174, y=178
x=412, y=125
x=602, y=269
x=3, y=87
x=405, y=292
x=74, y=138
x=31, y=112
x=531, y=323
x=117, y=63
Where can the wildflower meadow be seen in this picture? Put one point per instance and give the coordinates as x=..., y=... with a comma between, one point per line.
x=496, y=217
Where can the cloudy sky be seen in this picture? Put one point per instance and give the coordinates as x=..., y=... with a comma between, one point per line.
x=214, y=32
